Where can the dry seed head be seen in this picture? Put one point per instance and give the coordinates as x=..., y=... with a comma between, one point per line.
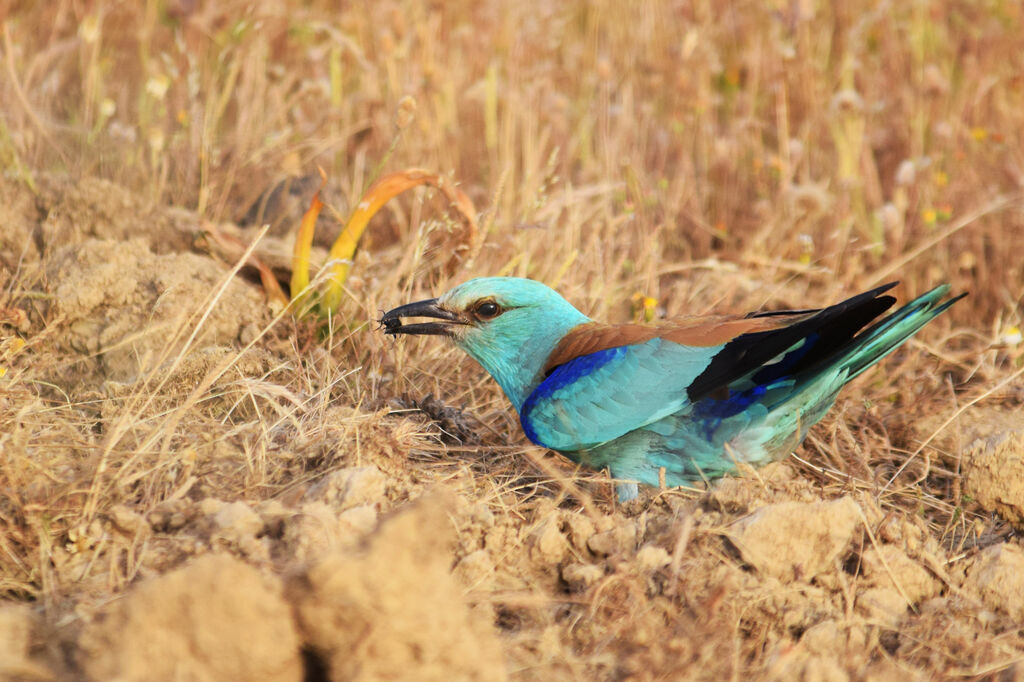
x=847, y=102
x=292, y=163
x=935, y=82
x=690, y=41
x=406, y=112
x=906, y=173
x=89, y=29
x=726, y=149
x=157, y=86
x=943, y=129
x=889, y=216
x=398, y=22
x=122, y=132
x=810, y=198
x=156, y=139
x=796, y=149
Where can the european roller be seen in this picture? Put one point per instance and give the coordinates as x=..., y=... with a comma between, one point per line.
x=676, y=402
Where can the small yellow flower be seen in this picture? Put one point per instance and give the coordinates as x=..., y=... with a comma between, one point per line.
x=10, y=347
x=1011, y=336
x=979, y=134
x=806, y=242
x=940, y=178
x=929, y=216
x=108, y=107
x=645, y=306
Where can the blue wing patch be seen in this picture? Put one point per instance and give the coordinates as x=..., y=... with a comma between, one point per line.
x=598, y=397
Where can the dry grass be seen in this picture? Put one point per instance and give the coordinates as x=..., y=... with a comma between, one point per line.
x=712, y=156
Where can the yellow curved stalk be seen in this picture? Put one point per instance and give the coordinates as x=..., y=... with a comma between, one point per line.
x=303, y=247
x=387, y=188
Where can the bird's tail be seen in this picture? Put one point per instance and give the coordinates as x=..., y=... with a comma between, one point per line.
x=885, y=336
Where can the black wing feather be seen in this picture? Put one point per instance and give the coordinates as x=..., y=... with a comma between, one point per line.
x=832, y=327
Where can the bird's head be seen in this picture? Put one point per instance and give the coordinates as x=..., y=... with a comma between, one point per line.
x=507, y=324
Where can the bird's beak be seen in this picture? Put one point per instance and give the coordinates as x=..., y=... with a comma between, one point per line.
x=392, y=319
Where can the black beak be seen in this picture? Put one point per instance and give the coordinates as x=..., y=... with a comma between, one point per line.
x=391, y=322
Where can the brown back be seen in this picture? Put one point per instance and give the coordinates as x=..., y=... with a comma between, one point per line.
x=704, y=332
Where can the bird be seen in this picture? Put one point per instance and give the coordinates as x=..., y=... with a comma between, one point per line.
x=672, y=403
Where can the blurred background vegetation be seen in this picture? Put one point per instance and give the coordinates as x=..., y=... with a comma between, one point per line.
x=865, y=140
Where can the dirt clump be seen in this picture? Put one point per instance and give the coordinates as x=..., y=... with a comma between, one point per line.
x=797, y=541
x=17, y=628
x=894, y=583
x=349, y=488
x=94, y=208
x=994, y=474
x=393, y=607
x=186, y=625
x=131, y=308
x=63, y=211
x=997, y=576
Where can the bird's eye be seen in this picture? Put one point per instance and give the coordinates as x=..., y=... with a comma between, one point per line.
x=487, y=309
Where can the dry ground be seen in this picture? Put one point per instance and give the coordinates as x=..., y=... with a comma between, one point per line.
x=196, y=486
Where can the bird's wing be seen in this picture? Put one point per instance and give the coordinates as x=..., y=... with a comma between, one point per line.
x=604, y=381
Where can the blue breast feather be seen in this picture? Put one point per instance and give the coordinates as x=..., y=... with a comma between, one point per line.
x=560, y=378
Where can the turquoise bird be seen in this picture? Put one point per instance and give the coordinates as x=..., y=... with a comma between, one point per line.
x=681, y=401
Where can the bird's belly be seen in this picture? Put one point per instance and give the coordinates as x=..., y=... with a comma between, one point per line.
x=690, y=450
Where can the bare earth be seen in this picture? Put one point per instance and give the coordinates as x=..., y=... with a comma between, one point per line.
x=187, y=496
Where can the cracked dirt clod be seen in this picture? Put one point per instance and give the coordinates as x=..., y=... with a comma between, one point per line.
x=395, y=607
x=185, y=625
x=794, y=540
x=994, y=474
x=997, y=576
x=132, y=307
